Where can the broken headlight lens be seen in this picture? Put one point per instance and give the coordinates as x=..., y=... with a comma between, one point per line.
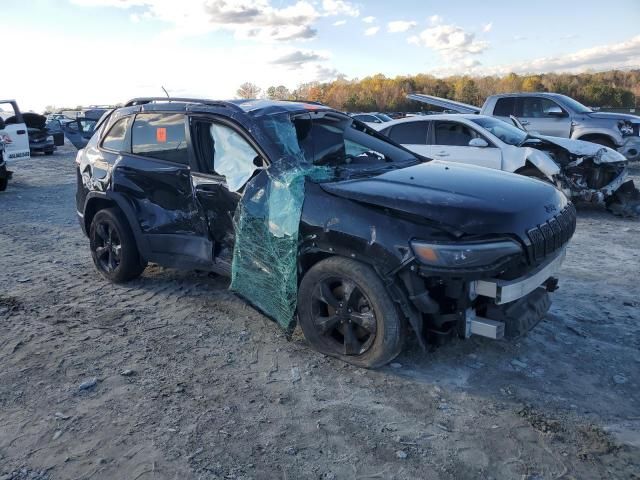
x=465, y=255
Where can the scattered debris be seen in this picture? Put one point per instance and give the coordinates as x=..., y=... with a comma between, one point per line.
x=88, y=384
x=401, y=454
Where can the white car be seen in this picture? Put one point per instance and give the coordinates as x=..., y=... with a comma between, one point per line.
x=582, y=170
x=372, y=118
x=15, y=133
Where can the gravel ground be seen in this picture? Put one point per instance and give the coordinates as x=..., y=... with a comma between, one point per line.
x=172, y=376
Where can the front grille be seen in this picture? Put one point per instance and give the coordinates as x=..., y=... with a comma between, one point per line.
x=552, y=235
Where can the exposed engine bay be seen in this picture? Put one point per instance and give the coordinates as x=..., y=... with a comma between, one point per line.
x=591, y=173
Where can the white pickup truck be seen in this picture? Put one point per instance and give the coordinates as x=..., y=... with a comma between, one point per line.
x=15, y=135
x=554, y=115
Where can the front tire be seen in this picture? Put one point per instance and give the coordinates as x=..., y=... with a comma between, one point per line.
x=113, y=247
x=345, y=311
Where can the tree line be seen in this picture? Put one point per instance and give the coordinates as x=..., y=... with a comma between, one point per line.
x=612, y=88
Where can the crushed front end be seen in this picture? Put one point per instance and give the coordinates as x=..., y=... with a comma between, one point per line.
x=497, y=288
x=595, y=174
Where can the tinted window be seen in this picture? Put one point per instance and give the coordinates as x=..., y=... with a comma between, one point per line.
x=454, y=134
x=161, y=136
x=409, y=133
x=115, y=139
x=367, y=118
x=536, y=107
x=505, y=107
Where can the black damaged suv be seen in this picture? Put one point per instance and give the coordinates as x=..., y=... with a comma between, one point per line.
x=387, y=239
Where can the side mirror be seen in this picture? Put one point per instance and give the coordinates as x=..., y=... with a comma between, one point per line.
x=478, y=142
x=554, y=111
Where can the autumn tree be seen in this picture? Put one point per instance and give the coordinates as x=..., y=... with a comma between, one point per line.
x=248, y=90
x=278, y=93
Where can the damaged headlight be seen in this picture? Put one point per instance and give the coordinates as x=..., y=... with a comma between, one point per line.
x=625, y=127
x=465, y=255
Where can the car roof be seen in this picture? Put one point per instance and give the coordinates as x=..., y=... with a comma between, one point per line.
x=253, y=107
x=528, y=94
x=437, y=116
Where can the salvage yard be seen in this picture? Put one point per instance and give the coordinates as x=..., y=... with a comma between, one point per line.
x=172, y=376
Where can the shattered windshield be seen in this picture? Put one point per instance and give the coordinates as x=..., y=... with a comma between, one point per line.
x=505, y=132
x=334, y=140
x=574, y=105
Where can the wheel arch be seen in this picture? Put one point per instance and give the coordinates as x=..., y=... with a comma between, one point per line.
x=97, y=201
x=592, y=137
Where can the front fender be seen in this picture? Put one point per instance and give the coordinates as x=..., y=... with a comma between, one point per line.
x=518, y=157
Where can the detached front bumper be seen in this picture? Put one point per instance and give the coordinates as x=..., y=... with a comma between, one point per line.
x=505, y=291
x=516, y=306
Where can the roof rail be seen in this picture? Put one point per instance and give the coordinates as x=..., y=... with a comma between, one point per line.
x=203, y=101
x=311, y=102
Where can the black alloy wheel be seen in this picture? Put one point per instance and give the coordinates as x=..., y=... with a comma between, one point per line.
x=113, y=247
x=343, y=316
x=345, y=311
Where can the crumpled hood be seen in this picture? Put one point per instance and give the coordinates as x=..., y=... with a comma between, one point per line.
x=584, y=149
x=467, y=198
x=614, y=116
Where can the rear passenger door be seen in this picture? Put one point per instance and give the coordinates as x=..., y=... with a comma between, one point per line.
x=412, y=135
x=450, y=142
x=155, y=174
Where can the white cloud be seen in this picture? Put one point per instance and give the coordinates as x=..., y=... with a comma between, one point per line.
x=621, y=55
x=369, y=19
x=451, y=41
x=435, y=19
x=339, y=23
x=400, y=26
x=340, y=7
x=263, y=64
x=369, y=32
x=487, y=27
x=298, y=58
x=253, y=19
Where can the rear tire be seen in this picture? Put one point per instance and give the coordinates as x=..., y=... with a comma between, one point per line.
x=3, y=184
x=113, y=247
x=4, y=177
x=345, y=311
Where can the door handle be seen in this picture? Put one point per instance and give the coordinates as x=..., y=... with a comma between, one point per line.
x=21, y=132
x=442, y=154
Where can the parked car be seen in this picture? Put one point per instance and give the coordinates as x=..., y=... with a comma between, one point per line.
x=80, y=130
x=582, y=170
x=15, y=132
x=5, y=174
x=371, y=118
x=555, y=115
x=41, y=139
x=357, y=235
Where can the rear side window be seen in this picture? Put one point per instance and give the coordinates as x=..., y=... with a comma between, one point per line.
x=161, y=136
x=505, y=107
x=115, y=139
x=410, y=133
x=453, y=134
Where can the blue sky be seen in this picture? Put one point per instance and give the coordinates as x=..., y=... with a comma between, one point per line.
x=104, y=51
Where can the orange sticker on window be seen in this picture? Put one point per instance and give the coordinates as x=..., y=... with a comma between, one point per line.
x=161, y=135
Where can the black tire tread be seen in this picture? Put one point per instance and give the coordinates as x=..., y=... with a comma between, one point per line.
x=386, y=347
x=131, y=265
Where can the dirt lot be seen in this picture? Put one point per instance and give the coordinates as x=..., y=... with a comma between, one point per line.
x=193, y=383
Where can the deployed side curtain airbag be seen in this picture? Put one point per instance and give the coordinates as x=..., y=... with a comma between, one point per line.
x=233, y=156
